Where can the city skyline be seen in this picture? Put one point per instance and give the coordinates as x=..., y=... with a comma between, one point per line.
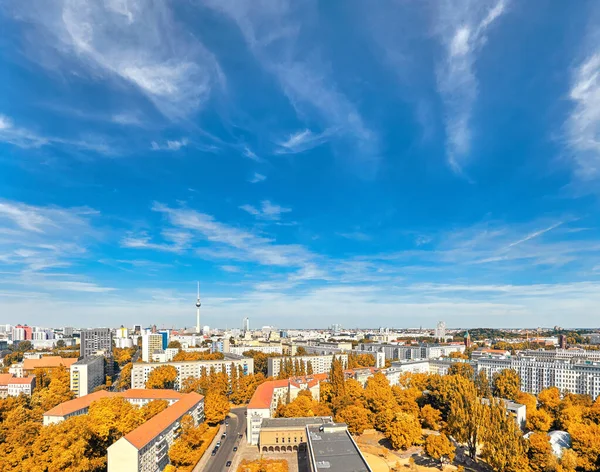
x=405, y=165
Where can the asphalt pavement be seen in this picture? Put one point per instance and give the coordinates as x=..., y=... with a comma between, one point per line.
x=237, y=426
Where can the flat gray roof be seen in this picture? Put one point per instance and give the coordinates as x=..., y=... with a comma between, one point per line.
x=334, y=451
x=294, y=422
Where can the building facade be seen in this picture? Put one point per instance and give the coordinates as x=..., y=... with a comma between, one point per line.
x=151, y=343
x=287, y=434
x=94, y=340
x=81, y=405
x=268, y=395
x=320, y=364
x=146, y=448
x=87, y=374
x=140, y=371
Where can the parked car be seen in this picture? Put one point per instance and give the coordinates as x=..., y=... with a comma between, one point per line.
x=226, y=423
x=218, y=443
x=214, y=451
x=228, y=464
x=235, y=449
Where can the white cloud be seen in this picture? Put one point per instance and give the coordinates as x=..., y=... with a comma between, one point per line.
x=302, y=141
x=267, y=211
x=250, y=154
x=257, y=178
x=174, y=145
x=462, y=29
x=138, y=41
x=274, y=31
x=583, y=124
x=26, y=139
x=175, y=241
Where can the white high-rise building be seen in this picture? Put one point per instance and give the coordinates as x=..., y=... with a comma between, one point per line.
x=151, y=342
x=246, y=325
x=440, y=331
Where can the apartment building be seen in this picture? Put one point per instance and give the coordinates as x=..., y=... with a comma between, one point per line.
x=151, y=343
x=412, y=352
x=81, y=405
x=239, y=350
x=146, y=448
x=87, y=374
x=11, y=386
x=320, y=364
x=268, y=395
x=576, y=375
x=25, y=368
x=185, y=369
x=94, y=340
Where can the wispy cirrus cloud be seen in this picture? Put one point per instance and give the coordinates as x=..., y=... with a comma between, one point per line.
x=229, y=242
x=26, y=138
x=256, y=178
x=302, y=141
x=250, y=154
x=138, y=42
x=275, y=33
x=174, y=145
x=462, y=29
x=38, y=242
x=267, y=210
x=583, y=123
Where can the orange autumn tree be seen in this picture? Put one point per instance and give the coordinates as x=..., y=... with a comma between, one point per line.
x=216, y=407
x=162, y=377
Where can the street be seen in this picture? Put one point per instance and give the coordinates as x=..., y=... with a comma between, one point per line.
x=237, y=426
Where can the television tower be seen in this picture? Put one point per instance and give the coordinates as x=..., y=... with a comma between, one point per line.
x=198, y=311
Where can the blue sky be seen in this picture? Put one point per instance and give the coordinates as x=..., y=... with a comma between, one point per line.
x=387, y=163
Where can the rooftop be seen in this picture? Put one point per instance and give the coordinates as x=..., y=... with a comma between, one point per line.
x=48, y=362
x=264, y=393
x=88, y=359
x=294, y=422
x=333, y=450
x=66, y=408
x=145, y=433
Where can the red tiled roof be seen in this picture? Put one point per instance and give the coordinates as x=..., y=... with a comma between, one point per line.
x=80, y=403
x=48, y=362
x=21, y=380
x=264, y=393
x=77, y=404
x=5, y=378
x=143, y=434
